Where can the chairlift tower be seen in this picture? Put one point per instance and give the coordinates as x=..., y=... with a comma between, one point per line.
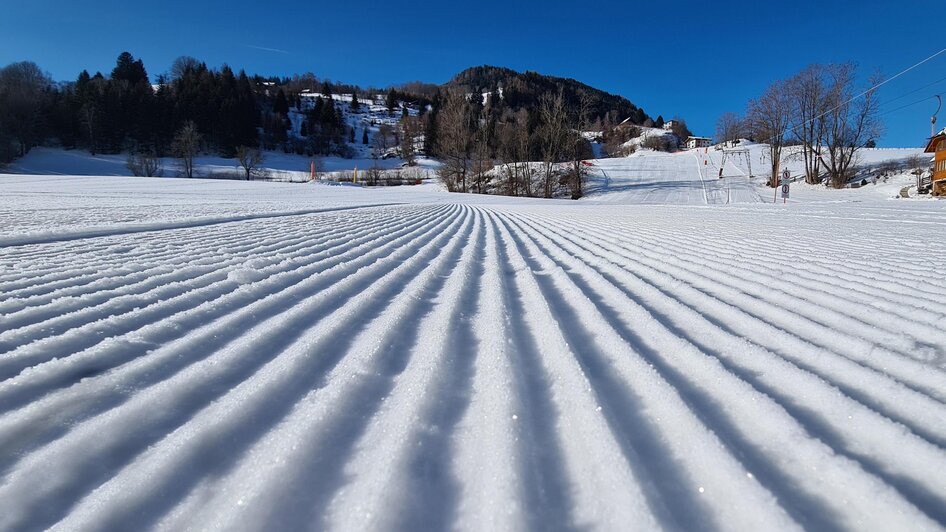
x=939, y=105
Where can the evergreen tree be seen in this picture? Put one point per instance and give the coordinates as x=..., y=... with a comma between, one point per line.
x=316, y=111
x=430, y=132
x=328, y=113
x=659, y=122
x=355, y=104
x=127, y=69
x=281, y=104
x=364, y=136
x=391, y=101
x=126, y=109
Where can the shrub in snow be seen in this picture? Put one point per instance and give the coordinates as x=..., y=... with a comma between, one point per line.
x=144, y=164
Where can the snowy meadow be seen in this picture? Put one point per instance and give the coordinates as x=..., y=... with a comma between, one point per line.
x=198, y=354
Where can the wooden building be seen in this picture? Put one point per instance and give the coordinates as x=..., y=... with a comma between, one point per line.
x=937, y=145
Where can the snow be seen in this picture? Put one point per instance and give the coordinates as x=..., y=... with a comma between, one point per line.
x=673, y=351
x=647, y=132
x=279, y=166
x=664, y=178
x=693, y=177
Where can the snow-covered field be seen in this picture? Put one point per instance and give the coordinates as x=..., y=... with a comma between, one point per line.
x=278, y=166
x=198, y=354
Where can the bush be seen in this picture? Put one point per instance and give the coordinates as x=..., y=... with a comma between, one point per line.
x=372, y=176
x=658, y=143
x=144, y=164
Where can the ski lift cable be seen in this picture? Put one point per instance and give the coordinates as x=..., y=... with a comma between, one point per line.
x=914, y=91
x=888, y=80
x=873, y=88
x=910, y=104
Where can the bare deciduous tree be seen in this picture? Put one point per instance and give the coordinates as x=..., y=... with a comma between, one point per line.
x=454, y=141
x=483, y=163
x=579, y=147
x=658, y=143
x=383, y=141
x=410, y=131
x=729, y=128
x=514, y=147
x=553, y=136
x=373, y=175
x=181, y=65
x=185, y=146
x=808, y=92
x=250, y=160
x=768, y=118
x=851, y=122
x=144, y=164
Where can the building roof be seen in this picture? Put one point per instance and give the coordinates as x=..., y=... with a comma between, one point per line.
x=934, y=140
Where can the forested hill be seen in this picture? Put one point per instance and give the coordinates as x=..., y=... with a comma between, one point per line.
x=523, y=90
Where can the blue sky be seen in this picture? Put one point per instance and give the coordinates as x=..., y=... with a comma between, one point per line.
x=693, y=59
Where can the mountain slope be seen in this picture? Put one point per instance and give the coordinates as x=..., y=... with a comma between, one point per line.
x=524, y=90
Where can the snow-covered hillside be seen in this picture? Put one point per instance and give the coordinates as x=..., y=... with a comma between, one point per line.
x=693, y=177
x=371, y=114
x=198, y=354
x=664, y=178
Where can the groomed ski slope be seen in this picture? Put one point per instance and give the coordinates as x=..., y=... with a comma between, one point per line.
x=189, y=355
x=685, y=178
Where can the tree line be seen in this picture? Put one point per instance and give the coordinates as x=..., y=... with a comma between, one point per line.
x=486, y=147
x=485, y=143
x=124, y=111
x=822, y=109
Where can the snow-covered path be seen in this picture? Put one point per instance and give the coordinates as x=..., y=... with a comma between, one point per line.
x=315, y=358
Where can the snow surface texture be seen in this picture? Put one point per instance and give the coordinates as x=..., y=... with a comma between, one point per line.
x=194, y=354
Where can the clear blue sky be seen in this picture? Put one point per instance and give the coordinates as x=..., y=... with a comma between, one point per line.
x=694, y=59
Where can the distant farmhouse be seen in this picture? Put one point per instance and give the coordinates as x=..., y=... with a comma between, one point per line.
x=699, y=142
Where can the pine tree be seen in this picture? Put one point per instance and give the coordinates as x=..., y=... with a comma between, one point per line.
x=351, y=135
x=281, y=104
x=127, y=69
x=391, y=101
x=355, y=104
x=304, y=129
x=364, y=136
x=316, y=111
